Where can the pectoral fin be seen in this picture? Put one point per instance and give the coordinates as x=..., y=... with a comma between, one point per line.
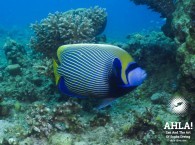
x=116, y=67
x=106, y=102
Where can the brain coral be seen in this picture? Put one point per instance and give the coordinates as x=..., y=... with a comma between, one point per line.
x=74, y=26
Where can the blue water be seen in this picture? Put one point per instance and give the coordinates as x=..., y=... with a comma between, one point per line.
x=124, y=17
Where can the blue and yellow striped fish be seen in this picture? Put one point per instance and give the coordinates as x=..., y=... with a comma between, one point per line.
x=96, y=70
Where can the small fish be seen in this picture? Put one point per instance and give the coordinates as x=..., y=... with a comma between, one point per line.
x=101, y=71
x=178, y=104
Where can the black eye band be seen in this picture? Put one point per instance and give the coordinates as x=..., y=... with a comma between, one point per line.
x=131, y=67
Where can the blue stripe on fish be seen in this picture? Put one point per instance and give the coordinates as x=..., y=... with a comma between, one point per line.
x=87, y=70
x=96, y=70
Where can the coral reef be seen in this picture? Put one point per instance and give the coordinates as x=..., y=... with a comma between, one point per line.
x=4, y=125
x=144, y=127
x=14, y=52
x=164, y=7
x=160, y=98
x=25, y=77
x=101, y=119
x=44, y=120
x=180, y=26
x=183, y=27
x=4, y=110
x=32, y=112
x=61, y=139
x=144, y=46
x=182, y=21
x=75, y=26
x=13, y=69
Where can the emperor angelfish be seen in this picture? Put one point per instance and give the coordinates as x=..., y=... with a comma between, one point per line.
x=96, y=70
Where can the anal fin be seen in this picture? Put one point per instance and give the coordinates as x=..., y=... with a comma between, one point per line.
x=63, y=88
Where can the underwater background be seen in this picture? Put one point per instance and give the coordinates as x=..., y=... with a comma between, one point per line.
x=160, y=36
x=124, y=17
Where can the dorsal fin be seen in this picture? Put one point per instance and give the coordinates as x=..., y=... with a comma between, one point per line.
x=60, y=50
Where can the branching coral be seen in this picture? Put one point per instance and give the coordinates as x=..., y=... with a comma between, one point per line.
x=74, y=26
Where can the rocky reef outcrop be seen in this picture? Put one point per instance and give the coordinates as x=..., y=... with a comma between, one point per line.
x=45, y=120
x=184, y=31
x=151, y=49
x=164, y=7
x=179, y=26
x=74, y=26
x=14, y=52
x=25, y=77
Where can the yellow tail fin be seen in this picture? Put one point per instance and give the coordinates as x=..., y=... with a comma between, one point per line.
x=55, y=66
